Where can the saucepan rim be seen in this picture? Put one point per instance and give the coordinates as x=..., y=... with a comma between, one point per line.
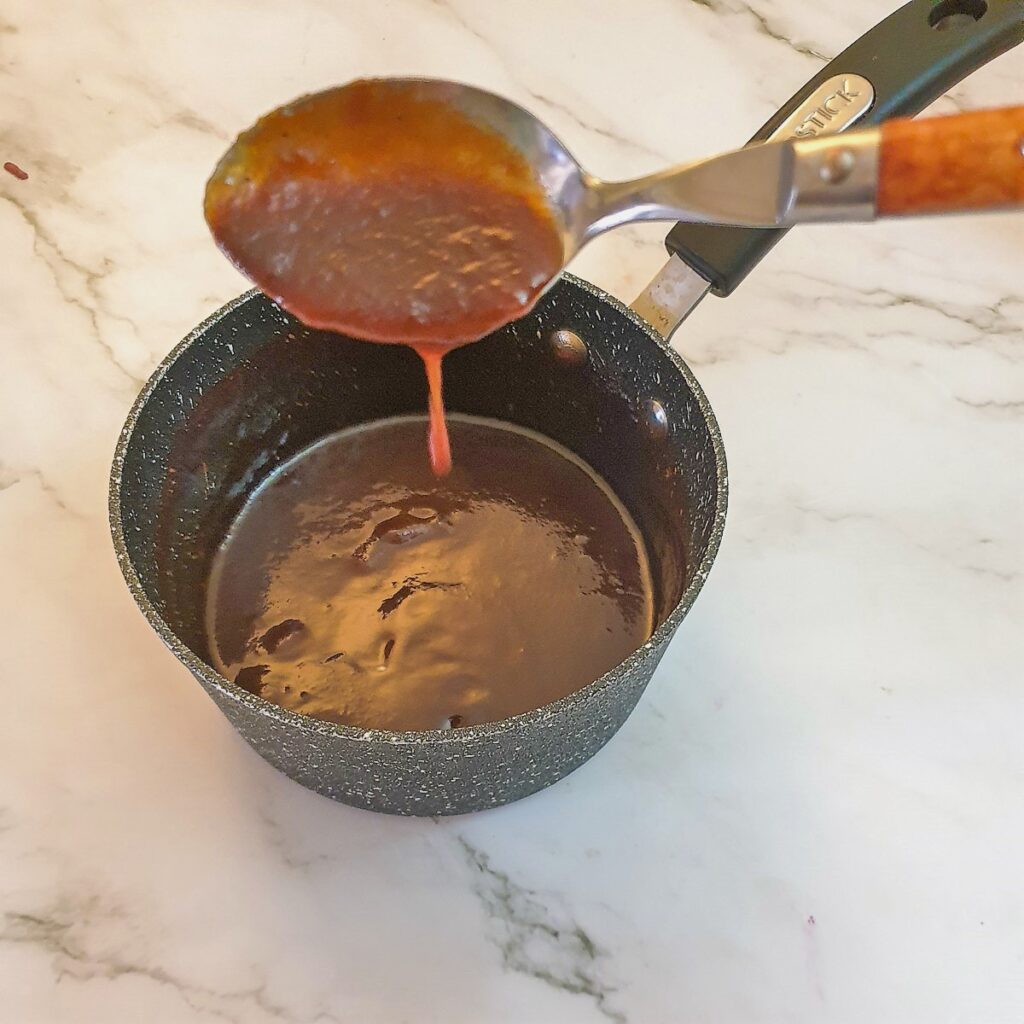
x=432, y=737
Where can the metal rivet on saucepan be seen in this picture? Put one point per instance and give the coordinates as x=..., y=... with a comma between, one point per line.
x=569, y=348
x=655, y=418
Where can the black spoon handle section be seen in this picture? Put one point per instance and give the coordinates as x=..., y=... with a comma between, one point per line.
x=911, y=58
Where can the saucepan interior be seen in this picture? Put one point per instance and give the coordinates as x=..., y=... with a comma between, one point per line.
x=251, y=387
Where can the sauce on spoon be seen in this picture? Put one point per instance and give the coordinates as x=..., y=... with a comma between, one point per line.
x=378, y=211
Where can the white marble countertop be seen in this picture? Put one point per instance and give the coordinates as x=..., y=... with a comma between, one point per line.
x=816, y=812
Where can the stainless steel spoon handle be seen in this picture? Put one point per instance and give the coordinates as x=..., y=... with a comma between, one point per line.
x=771, y=184
x=951, y=164
x=831, y=179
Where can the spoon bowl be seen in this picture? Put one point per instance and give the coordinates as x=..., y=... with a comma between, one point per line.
x=573, y=196
x=400, y=210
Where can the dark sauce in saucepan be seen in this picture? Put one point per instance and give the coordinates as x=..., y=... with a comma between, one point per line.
x=358, y=588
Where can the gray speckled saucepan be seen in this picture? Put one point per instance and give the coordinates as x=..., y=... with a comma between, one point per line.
x=251, y=386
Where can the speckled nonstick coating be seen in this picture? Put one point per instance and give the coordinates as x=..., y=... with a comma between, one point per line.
x=251, y=386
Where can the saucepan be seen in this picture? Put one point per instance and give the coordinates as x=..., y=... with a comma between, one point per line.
x=251, y=386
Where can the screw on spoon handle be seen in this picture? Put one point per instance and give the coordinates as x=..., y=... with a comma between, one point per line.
x=903, y=168
x=969, y=161
x=939, y=165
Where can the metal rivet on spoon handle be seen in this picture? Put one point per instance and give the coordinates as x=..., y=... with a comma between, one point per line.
x=952, y=164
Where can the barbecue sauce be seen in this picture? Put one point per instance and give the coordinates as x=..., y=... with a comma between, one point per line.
x=377, y=211
x=357, y=588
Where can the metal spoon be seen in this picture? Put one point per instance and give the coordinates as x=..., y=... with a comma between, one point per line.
x=952, y=164
x=402, y=265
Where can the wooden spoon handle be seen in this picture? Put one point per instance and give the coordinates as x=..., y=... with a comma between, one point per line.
x=943, y=164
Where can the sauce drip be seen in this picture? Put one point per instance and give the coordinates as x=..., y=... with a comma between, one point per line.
x=438, y=444
x=326, y=596
x=379, y=211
